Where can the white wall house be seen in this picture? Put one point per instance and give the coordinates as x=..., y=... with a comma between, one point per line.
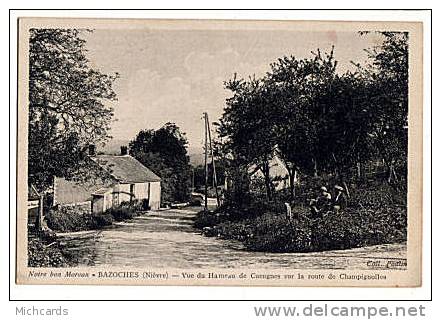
x=127, y=180
x=277, y=171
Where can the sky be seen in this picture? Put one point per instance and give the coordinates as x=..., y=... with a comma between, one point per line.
x=176, y=75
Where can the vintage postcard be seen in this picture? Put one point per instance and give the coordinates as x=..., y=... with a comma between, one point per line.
x=219, y=152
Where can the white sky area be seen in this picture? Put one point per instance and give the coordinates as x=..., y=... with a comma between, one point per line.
x=176, y=75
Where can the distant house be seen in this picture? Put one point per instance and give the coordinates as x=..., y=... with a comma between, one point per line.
x=277, y=171
x=126, y=179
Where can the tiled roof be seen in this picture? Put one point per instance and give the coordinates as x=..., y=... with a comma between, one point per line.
x=126, y=169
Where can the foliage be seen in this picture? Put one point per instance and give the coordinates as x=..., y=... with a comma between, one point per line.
x=319, y=121
x=67, y=219
x=102, y=220
x=44, y=252
x=125, y=211
x=268, y=229
x=67, y=104
x=387, y=80
x=248, y=208
x=72, y=219
x=333, y=232
x=199, y=174
x=165, y=152
x=77, y=218
x=247, y=127
x=304, y=91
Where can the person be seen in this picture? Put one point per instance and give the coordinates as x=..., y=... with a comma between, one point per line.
x=321, y=203
x=340, y=201
x=324, y=199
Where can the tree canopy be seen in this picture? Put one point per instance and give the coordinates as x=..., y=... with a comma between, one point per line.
x=319, y=121
x=165, y=152
x=67, y=104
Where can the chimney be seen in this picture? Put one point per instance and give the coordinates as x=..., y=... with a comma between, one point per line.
x=92, y=150
x=124, y=150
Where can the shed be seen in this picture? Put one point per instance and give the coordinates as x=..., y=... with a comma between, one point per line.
x=102, y=200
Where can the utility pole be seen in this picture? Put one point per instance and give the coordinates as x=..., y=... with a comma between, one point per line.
x=206, y=161
x=212, y=161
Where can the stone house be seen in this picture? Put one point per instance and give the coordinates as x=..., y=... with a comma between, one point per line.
x=125, y=180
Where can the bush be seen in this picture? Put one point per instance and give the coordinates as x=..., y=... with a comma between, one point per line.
x=68, y=219
x=144, y=205
x=102, y=220
x=206, y=219
x=274, y=233
x=376, y=197
x=125, y=211
x=72, y=219
x=251, y=206
x=45, y=252
x=374, y=217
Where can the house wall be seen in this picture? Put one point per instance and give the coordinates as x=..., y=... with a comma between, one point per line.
x=69, y=192
x=142, y=190
x=155, y=195
x=124, y=192
x=115, y=198
x=82, y=208
x=108, y=203
x=278, y=173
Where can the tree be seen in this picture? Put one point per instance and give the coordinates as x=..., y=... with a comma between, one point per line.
x=165, y=152
x=386, y=77
x=156, y=163
x=246, y=127
x=67, y=104
x=300, y=90
x=320, y=122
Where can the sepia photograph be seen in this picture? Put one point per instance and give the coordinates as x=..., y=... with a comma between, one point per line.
x=208, y=152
